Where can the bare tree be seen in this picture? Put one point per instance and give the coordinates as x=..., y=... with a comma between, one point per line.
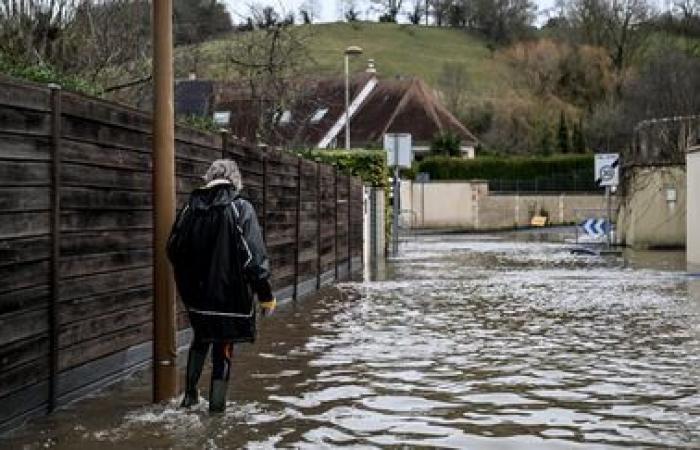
x=441, y=10
x=37, y=31
x=350, y=10
x=454, y=83
x=390, y=9
x=269, y=63
x=617, y=26
x=417, y=11
x=309, y=11
x=502, y=21
x=106, y=44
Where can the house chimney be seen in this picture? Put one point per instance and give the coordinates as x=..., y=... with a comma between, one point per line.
x=370, y=66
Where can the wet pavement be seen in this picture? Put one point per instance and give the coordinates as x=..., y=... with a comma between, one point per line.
x=470, y=341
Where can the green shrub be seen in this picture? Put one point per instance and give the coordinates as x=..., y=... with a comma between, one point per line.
x=447, y=144
x=202, y=123
x=46, y=74
x=370, y=165
x=494, y=168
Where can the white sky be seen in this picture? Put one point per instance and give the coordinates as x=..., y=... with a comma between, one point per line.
x=330, y=9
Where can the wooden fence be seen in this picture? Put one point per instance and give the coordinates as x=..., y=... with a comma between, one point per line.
x=75, y=237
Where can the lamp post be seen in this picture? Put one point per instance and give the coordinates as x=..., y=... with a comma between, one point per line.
x=350, y=51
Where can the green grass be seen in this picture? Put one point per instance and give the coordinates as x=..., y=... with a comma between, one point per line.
x=404, y=50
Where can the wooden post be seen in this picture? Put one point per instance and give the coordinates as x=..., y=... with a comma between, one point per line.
x=224, y=143
x=318, y=223
x=55, y=242
x=297, y=245
x=264, y=195
x=335, y=218
x=349, y=232
x=164, y=347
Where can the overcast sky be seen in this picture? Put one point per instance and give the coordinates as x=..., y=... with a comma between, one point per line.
x=329, y=9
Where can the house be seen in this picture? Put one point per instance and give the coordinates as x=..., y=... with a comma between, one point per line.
x=316, y=117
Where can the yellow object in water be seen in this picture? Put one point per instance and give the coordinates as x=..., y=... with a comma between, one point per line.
x=538, y=221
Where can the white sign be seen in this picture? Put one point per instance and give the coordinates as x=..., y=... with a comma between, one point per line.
x=607, y=169
x=222, y=118
x=401, y=143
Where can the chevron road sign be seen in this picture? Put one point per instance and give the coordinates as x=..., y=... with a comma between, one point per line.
x=595, y=227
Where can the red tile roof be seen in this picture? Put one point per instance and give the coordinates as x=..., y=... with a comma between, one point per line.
x=394, y=106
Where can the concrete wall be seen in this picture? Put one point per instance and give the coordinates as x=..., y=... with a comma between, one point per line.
x=693, y=217
x=470, y=205
x=437, y=205
x=653, y=213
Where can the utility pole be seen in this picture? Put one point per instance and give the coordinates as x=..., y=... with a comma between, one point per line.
x=164, y=350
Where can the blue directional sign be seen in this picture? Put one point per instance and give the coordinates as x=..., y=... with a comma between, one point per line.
x=595, y=227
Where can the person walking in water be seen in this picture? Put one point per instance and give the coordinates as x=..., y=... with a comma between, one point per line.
x=220, y=262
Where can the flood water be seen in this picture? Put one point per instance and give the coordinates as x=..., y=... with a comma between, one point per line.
x=471, y=341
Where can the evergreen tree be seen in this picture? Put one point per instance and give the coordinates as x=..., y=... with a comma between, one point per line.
x=578, y=142
x=544, y=142
x=563, y=142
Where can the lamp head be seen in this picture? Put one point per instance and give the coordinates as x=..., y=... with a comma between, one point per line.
x=353, y=50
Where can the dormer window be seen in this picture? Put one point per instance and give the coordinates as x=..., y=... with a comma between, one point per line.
x=286, y=117
x=319, y=115
x=282, y=117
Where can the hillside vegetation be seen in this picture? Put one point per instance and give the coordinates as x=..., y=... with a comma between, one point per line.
x=398, y=50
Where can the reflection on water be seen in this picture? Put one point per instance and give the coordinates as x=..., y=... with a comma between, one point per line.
x=472, y=341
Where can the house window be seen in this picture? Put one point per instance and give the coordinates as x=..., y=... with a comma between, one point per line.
x=286, y=117
x=283, y=118
x=319, y=115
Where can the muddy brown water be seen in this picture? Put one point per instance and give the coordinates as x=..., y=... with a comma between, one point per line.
x=504, y=341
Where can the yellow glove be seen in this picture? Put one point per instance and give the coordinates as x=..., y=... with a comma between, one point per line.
x=268, y=307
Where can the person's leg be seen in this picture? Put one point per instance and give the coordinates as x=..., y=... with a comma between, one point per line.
x=221, y=371
x=195, y=362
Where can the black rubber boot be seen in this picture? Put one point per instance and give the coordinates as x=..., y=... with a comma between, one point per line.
x=217, y=396
x=195, y=362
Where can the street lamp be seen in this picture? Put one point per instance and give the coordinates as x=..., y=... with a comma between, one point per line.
x=353, y=50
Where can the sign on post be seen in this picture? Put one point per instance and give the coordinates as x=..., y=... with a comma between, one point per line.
x=607, y=169
x=595, y=227
x=398, y=144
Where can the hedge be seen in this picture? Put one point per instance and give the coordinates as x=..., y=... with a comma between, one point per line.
x=370, y=165
x=502, y=168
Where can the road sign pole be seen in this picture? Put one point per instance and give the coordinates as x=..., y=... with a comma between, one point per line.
x=422, y=203
x=395, y=202
x=607, y=195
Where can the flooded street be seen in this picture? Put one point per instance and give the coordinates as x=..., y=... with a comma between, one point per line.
x=471, y=341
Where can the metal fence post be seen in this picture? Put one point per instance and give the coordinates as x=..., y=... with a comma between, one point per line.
x=55, y=243
x=349, y=233
x=318, y=223
x=335, y=218
x=297, y=251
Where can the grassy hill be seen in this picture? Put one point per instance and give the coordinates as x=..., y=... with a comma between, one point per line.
x=404, y=50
